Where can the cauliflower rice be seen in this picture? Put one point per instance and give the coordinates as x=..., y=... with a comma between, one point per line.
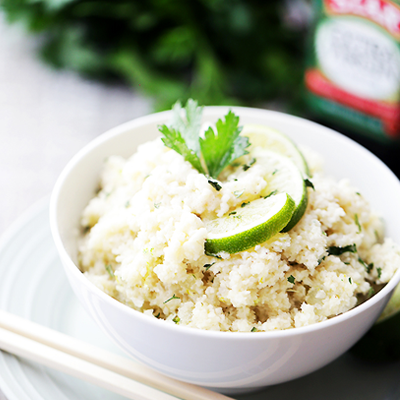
x=144, y=245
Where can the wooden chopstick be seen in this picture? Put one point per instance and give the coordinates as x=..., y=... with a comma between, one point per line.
x=54, y=349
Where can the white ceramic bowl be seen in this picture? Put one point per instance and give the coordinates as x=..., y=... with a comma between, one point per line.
x=227, y=361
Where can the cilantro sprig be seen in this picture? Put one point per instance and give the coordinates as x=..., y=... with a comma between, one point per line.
x=213, y=152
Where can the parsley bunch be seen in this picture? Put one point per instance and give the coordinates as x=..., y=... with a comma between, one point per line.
x=217, y=51
x=213, y=152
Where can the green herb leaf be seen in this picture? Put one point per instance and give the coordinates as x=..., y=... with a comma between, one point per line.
x=368, y=267
x=208, y=266
x=357, y=223
x=216, y=150
x=273, y=193
x=215, y=185
x=247, y=166
x=189, y=127
x=291, y=279
x=221, y=149
x=321, y=259
x=110, y=271
x=337, y=251
x=174, y=140
x=176, y=319
x=309, y=183
x=253, y=329
x=379, y=270
x=171, y=298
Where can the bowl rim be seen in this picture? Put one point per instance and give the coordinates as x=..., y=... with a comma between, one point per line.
x=197, y=332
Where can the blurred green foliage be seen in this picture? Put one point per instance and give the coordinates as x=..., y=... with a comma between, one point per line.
x=216, y=51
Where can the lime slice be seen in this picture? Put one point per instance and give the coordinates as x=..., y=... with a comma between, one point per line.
x=392, y=308
x=250, y=225
x=271, y=139
x=382, y=341
x=283, y=176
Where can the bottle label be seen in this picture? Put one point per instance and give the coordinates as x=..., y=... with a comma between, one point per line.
x=357, y=59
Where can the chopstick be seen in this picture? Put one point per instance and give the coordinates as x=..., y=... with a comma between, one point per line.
x=118, y=374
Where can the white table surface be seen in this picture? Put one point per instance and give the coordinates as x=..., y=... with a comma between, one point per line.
x=46, y=116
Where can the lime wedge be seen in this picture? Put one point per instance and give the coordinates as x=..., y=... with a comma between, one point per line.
x=271, y=139
x=382, y=341
x=283, y=176
x=248, y=226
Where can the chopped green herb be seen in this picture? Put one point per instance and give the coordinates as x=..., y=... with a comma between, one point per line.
x=337, y=250
x=157, y=205
x=357, y=223
x=158, y=315
x=217, y=150
x=110, y=271
x=350, y=280
x=291, y=279
x=379, y=270
x=253, y=329
x=232, y=213
x=208, y=266
x=172, y=298
x=273, y=193
x=247, y=166
x=368, y=267
x=237, y=216
x=215, y=185
x=238, y=193
x=371, y=292
x=275, y=171
x=244, y=204
x=309, y=184
x=321, y=259
x=358, y=193
x=176, y=319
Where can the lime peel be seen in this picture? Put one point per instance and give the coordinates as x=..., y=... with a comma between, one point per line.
x=268, y=138
x=245, y=227
x=283, y=176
